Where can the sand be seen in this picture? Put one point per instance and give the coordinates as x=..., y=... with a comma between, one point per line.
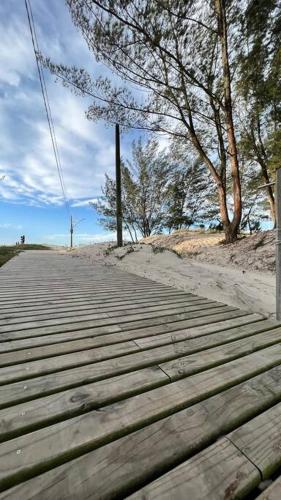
x=256, y=252
x=232, y=284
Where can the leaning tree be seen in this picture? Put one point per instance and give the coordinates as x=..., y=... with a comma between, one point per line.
x=174, y=66
x=259, y=89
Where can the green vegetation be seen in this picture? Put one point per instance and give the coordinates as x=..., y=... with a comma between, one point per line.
x=160, y=191
x=207, y=76
x=8, y=252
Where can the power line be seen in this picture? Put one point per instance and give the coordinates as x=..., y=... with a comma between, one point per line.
x=46, y=101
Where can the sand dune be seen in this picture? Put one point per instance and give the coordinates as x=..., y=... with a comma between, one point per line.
x=250, y=290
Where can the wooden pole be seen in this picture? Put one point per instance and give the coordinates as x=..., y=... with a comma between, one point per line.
x=118, y=188
x=71, y=232
x=278, y=243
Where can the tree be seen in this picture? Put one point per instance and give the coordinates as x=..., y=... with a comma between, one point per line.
x=254, y=199
x=179, y=54
x=259, y=86
x=189, y=192
x=105, y=206
x=145, y=181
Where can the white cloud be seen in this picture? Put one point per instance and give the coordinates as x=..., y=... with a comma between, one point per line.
x=84, y=203
x=10, y=226
x=80, y=238
x=83, y=238
x=26, y=158
x=14, y=51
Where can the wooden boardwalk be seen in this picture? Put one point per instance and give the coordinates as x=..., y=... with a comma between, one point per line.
x=114, y=386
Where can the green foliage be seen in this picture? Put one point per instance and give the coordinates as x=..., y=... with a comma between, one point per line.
x=255, y=206
x=172, y=71
x=259, y=86
x=7, y=253
x=160, y=191
x=172, y=53
x=189, y=193
x=145, y=181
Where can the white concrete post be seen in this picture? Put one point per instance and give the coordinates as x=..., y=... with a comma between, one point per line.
x=278, y=242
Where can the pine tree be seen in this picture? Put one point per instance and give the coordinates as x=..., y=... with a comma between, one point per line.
x=260, y=89
x=180, y=54
x=145, y=181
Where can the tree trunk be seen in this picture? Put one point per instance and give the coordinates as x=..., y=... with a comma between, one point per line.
x=232, y=230
x=229, y=230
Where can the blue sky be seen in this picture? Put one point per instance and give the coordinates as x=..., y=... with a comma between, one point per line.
x=30, y=194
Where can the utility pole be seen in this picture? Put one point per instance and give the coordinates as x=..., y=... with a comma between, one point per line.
x=71, y=232
x=118, y=187
x=278, y=243
x=72, y=226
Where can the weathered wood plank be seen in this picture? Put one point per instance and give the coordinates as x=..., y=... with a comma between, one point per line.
x=170, y=440
x=50, y=383
x=95, y=291
x=60, y=311
x=90, y=289
x=111, y=334
x=260, y=440
x=86, y=298
x=184, y=366
x=110, y=325
x=193, y=344
x=49, y=446
x=64, y=317
x=100, y=318
x=273, y=492
x=185, y=334
x=26, y=417
x=181, y=366
x=220, y=472
x=75, y=343
x=78, y=294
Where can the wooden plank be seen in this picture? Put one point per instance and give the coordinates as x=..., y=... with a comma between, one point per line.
x=57, y=363
x=54, y=395
x=54, y=382
x=193, y=344
x=184, y=366
x=273, y=492
x=63, y=317
x=111, y=334
x=220, y=472
x=100, y=318
x=74, y=291
x=111, y=289
x=28, y=416
x=50, y=446
x=181, y=366
x=85, y=298
x=102, y=282
x=81, y=293
x=171, y=440
x=105, y=325
x=41, y=312
x=210, y=333
x=127, y=463
x=185, y=334
x=260, y=440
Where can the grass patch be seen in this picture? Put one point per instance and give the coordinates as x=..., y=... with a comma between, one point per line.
x=8, y=252
x=160, y=249
x=31, y=246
